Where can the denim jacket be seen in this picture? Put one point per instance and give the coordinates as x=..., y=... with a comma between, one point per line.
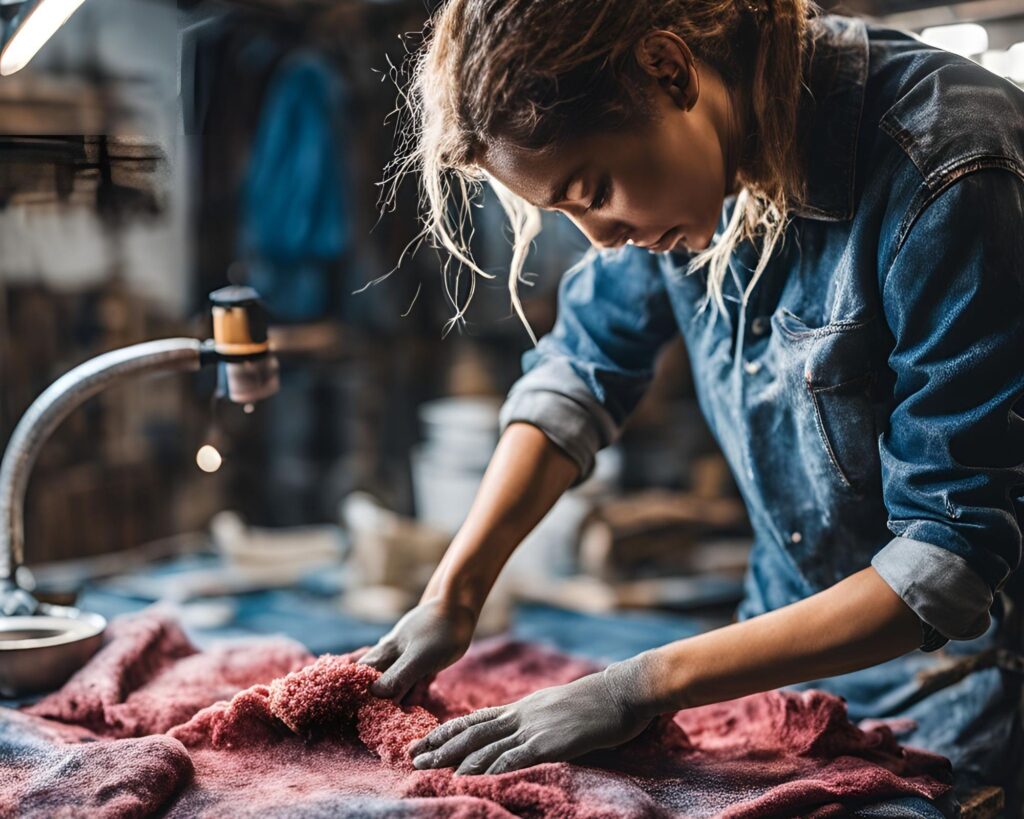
x=869, y=397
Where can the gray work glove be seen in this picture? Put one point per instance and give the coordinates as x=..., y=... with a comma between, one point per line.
x=426, y=640
x=601, y=710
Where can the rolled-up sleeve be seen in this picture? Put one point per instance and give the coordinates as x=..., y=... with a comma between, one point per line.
x=953, y=453
x=583, y=379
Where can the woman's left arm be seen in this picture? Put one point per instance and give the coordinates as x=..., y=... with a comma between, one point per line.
x=857, y=623
x=952, y=456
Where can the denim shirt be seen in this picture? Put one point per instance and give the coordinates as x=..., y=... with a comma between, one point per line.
x=869, y=397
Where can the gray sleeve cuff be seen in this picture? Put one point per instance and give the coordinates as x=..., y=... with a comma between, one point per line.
x=553, y=398
x=939, y=585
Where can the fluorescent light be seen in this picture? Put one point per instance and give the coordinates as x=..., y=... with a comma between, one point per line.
x=31, y=34
x=1016, y=62
x=998, y=62
x=965, y=39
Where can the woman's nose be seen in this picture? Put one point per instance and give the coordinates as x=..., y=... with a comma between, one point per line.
x=646, y=241
x=607, y=236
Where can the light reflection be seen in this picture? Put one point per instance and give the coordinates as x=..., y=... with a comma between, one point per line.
x=208, y=458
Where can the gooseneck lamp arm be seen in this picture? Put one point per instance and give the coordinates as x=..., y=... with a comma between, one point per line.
x=248, y=368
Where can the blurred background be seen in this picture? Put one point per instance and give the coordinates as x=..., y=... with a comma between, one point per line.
x=153, y=152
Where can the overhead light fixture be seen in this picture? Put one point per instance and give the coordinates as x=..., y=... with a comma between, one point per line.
x=996, y=61
x=30, y=28
x=1015, y=67
x=965, y=39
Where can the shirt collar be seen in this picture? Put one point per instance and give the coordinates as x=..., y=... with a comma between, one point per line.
x=830, y=115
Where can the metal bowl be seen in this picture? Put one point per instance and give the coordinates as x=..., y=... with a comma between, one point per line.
x=40, y=652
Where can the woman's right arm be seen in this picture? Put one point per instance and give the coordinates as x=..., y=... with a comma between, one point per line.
x=525, y=477
x=581, y=382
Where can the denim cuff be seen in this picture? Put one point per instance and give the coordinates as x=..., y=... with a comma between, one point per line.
x=553, y=398
x=951, y=599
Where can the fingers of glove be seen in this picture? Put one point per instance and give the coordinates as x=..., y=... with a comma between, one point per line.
x=479, y=761
x=420, y=691
x=396, y=681
x=440, y=735
x=455, y=750
x=515, y=758
x=381, y=656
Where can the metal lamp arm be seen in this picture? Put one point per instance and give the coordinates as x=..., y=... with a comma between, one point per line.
x=48, y=411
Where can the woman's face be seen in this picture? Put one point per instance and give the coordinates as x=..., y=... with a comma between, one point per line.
x=659, y=186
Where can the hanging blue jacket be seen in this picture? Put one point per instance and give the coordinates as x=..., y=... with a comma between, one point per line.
x=296, y=223
x=869, y=397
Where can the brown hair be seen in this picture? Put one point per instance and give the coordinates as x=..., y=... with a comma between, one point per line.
x=538, y=73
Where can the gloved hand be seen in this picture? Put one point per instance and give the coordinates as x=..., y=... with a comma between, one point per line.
x=601, y=710
x=426, y=640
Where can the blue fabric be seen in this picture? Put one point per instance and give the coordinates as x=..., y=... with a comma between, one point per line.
x=603, y=638
x=296, y=218
x=869, y=394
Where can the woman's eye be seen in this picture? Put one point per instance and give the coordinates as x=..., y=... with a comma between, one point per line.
x=601, y=196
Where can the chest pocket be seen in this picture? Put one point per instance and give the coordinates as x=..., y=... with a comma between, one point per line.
x=840, y=383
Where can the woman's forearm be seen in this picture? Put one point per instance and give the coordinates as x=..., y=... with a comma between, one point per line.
x=526, y=476
x=858, y=622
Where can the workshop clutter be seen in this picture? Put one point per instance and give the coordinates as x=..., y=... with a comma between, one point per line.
x=283, y=554
x=392, y=558
x=597, y=550
x=459, y=437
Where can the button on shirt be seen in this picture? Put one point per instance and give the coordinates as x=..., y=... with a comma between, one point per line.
x=868, y=396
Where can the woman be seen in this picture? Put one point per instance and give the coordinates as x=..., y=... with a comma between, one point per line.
x=831, y=214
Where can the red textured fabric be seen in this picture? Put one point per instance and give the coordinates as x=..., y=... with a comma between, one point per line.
x=331, y=697
x=316, y=742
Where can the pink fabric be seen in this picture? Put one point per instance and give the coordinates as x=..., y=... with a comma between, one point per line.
x=309, y=741
x=149, y=677
x=328, y=698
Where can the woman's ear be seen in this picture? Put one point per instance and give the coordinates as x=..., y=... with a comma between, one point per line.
x=664, y=57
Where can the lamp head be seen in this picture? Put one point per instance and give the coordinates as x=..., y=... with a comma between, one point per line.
x=248, y=369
